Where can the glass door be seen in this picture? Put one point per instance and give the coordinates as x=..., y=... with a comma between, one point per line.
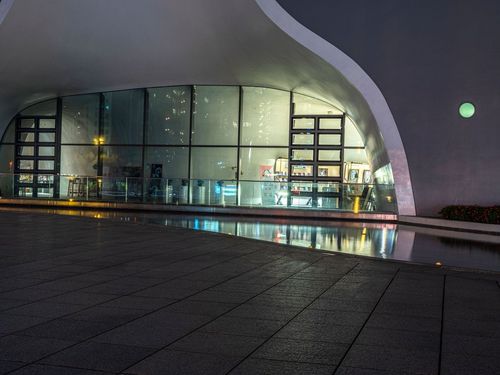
x=316, y=161
x=36, y=156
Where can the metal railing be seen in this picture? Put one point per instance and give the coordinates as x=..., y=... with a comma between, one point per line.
x=333, y=196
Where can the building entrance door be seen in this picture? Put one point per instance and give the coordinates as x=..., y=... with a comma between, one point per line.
x=36, y=157
x=316, y=161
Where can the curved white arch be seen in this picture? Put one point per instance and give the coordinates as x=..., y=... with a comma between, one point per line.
x=360, y=80
x=4, y=8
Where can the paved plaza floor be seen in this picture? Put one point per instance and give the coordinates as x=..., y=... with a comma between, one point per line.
x=83, y=296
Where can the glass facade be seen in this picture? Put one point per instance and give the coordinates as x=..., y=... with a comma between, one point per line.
x=250, y=145
x=215, y=115
x=169, y=116
x=80, y=119
x=123, y=117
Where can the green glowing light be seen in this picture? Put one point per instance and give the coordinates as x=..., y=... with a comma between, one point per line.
x=467, y=110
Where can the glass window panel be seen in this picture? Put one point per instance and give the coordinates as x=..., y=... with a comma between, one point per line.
x=266, y=117
x=214, y=163
x=25, y=191
x=329, y=139
x=6, y=158
x=215, y=115
x=46, y=151
x=303, y=155
x=45, y=179
x=166, y=162
x=351, y=134
x=123, y=117
x=303, y=123
x=169, y=115
x=355, y=156
x=26, y=151
x=45, y=192
x=26, y=137
x=305, y=105
x=26, y=164
x=10, y=133
x=46, y=165
x=80, y=119
x=302, y=186
x=46, y=137
x=79, y=160
x=263, y=164
x=47, y=123
x=328, y=187
x=329, y=155
x=47, y=108
x=330, y=124
x=328, y=170
x=302, y=170
x=27, y=123
x=122, y=161
x=26, y=178
x=303, y=139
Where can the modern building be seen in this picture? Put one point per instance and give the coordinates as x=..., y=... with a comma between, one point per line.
x=380, y=106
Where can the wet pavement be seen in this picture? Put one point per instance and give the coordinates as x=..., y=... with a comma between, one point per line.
x=86, y=296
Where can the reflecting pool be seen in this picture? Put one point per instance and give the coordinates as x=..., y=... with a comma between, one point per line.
x=379, y=240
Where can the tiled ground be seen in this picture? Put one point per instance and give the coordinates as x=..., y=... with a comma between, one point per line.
x=81, y=296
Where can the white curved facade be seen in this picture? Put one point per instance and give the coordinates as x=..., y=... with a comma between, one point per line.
x=79, y=50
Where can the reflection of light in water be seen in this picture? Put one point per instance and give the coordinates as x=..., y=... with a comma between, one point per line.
x=383, y=243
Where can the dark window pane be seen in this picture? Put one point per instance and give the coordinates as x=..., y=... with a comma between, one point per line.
x=303, y=139
x=215, y=116
x=80, y=119
x=214, y=163
x=47, y=124
x=79, y=160
x=264, y=164
x=303, y=155
x=26, y=137
x=303, y=123
x=26, y=151
x=330, y=124
x=122, y=161
x=266, y=117
x=26, y=164
x=166, y=162
x=46, y=151
x=329, y=155
x=46, y=137
x=169, y=115
x=123, y=117
x=46, y=165
x=27, y=123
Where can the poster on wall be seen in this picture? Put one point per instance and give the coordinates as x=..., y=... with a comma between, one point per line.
x=367, y=177
x=353, y=175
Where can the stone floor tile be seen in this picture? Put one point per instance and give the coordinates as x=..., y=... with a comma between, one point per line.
x=68, y=329
x=29, y=349
x=319, y=332
x=99, y=356
x=318, y=352
x=401, y=322
x=243, y=326
x=55, y=370
x=181, y=363
x=392, y=359
x=259, y=366
x=13, y=323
